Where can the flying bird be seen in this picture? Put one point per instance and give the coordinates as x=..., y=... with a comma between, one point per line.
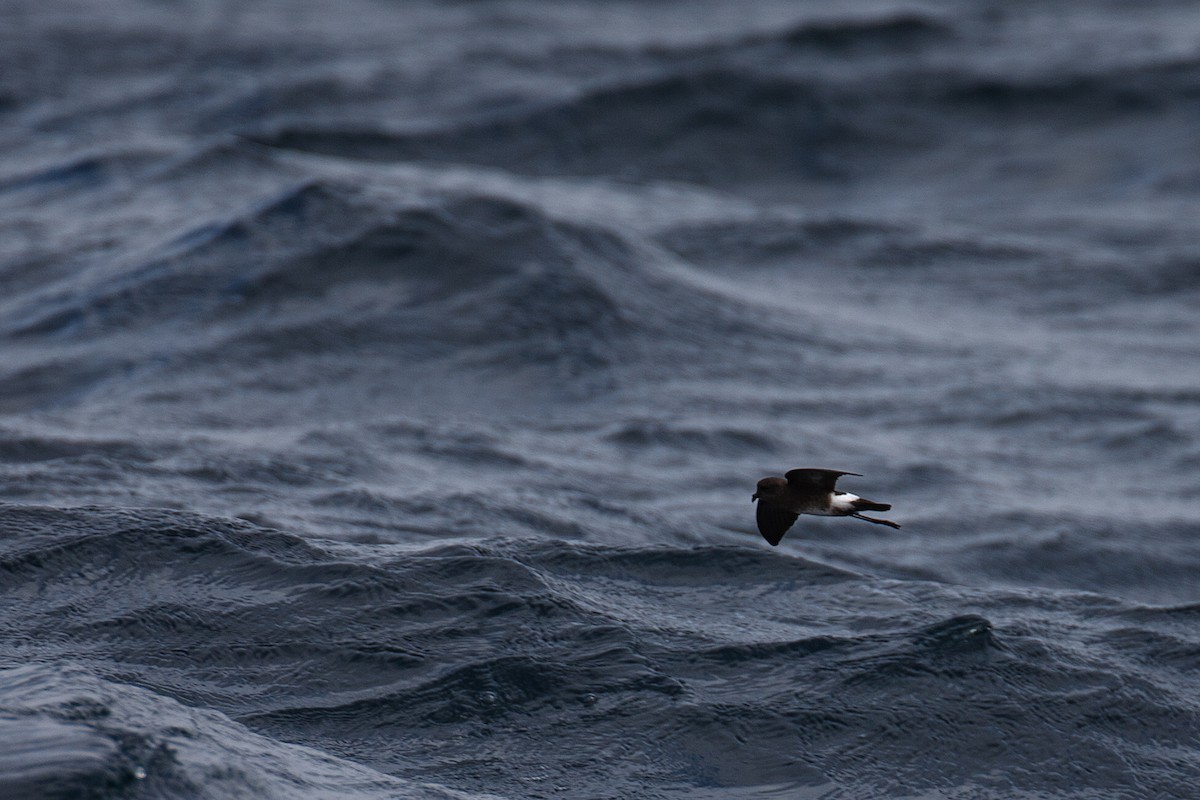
x=808, y=491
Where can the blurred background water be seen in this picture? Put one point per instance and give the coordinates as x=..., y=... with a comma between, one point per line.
x=384, y=384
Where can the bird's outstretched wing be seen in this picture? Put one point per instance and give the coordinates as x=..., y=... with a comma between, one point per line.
x=773, y=521
x=809, y=480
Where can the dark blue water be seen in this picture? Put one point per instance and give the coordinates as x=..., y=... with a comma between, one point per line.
x=384, y=385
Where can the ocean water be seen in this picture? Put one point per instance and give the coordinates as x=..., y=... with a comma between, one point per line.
x=384, y=385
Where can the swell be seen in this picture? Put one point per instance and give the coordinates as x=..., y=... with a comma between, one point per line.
x=74, y=735
x=723, y=112
x=1139, y=88
x=485, y=285
x=666, y=126
x=79, y=175
x=462, y=656
x=900, y=31
x=732, y=116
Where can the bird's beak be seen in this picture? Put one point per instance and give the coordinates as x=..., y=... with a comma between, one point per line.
x=753, y=497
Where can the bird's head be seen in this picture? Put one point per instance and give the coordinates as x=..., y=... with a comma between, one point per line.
x=770, y=488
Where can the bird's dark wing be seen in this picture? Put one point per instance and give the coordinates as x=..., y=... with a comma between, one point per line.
x=773, y=521
x=808, y=480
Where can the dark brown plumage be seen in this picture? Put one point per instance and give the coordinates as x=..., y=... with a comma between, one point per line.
x=808, y=491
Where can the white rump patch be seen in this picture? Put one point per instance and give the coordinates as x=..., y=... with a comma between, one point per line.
x=843, y=503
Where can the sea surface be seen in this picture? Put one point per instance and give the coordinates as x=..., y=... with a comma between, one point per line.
x=383, y=385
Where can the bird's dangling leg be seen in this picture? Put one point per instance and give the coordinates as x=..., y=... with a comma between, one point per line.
x=887, y=522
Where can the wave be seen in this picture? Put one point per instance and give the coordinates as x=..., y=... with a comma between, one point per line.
x=23, y=447
x=839, y=240
x=668, y=126
x=73, y=734
x=81, y=174
x=900, y=31
x=1151, y=86
x=483, y=285
x=700, y=438
x=729, y=116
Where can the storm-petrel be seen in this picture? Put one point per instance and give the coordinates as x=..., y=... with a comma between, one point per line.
x=808, y=491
